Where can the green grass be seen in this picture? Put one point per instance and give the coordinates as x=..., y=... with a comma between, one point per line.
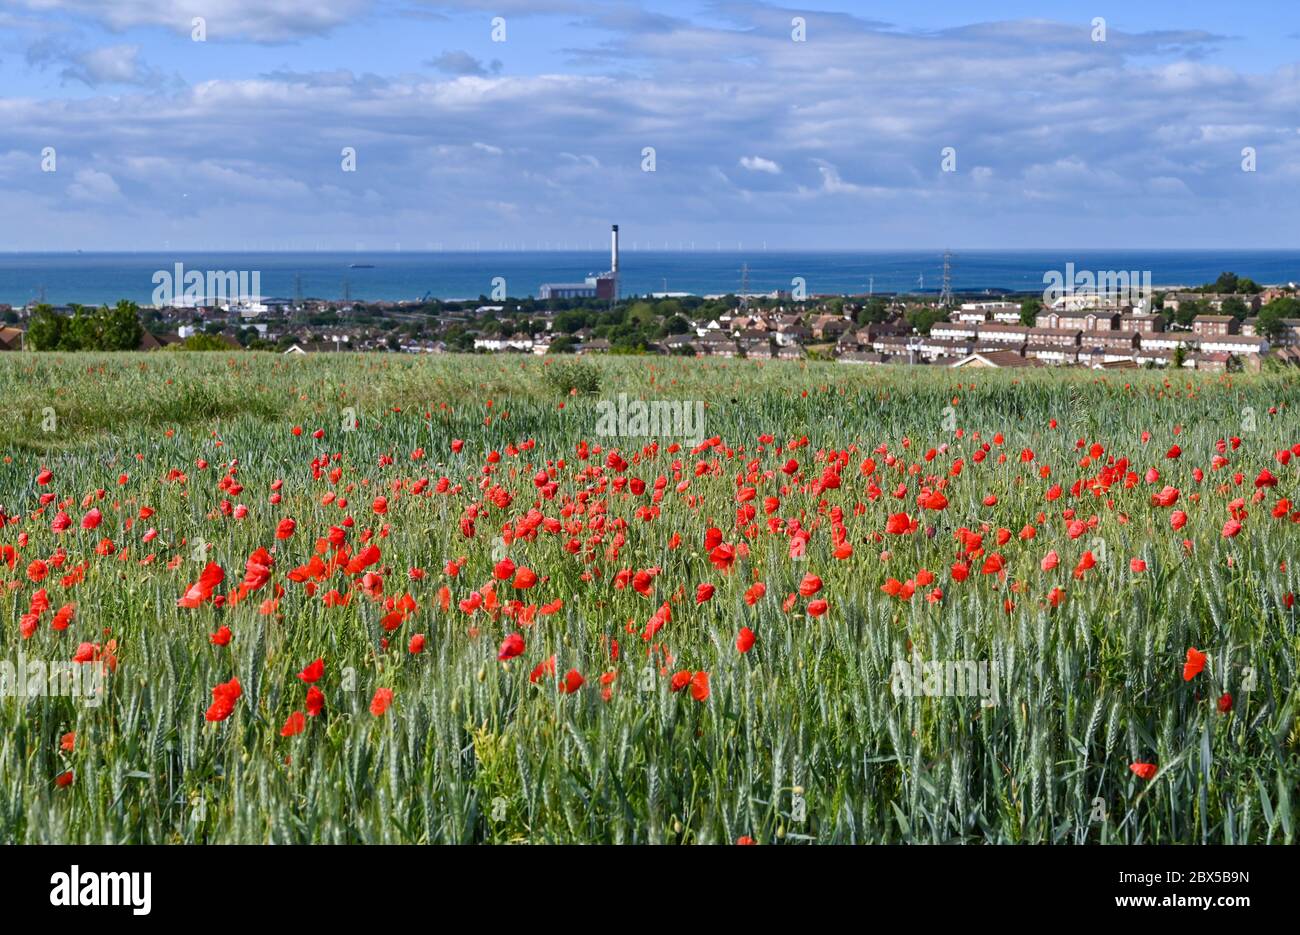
x=800, y=740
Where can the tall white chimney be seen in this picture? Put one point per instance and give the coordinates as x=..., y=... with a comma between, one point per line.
x=613, y=249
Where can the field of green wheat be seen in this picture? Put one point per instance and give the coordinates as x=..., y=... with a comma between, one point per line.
x=492, y=599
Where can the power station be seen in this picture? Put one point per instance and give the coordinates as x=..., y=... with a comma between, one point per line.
x=596, y=286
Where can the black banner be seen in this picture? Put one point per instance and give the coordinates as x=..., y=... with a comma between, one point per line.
x=144, y=885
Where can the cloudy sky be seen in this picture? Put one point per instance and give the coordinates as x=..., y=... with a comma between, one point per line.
x=829, y=134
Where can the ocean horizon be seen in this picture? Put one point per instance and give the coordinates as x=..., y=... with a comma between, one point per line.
x=106, y=277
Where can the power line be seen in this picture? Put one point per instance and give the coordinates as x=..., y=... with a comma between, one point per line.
x=945, y=294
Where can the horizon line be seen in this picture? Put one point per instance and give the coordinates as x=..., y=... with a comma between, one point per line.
x=604, y=250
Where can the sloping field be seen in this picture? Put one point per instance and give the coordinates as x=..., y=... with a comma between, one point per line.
x=495, y=599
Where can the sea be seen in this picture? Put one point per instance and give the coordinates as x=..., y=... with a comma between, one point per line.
x=96, y=278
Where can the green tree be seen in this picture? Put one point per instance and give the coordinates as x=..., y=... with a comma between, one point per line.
x=1226, y=283
x=45, y=332
x=120, y=328
x=1232, y=284
x=81, y=332
x=1029, y=310
x=1235, y=307
x=641, y=313
x=874, y=311
x=922, y=317
x=667, y=308
x=571, y=321
x=1270, y=323
x=676, y=325
x=1188, y=310
x=458, y=339
x=200, y=342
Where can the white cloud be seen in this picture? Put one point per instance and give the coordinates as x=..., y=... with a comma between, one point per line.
x=759, y=164
x=833, y=184
x=93, y=185
x=462, y=63
x=259, y=20
x=115, y=64
x=1052, y=133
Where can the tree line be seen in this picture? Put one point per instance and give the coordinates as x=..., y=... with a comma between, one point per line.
x=86, y=329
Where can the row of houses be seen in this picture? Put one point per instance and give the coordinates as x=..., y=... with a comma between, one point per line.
x=1005, y=358
x=1215, y=300
x=750, y=344
x=1087, y=338
x=784, y=327
x=1120, y=340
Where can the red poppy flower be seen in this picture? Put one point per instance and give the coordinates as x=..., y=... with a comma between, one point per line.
x=201, y=590
x=700, y=686
x=810, y=585
x=379, y=704
x=1194, y=665
x=1144, y=770
x=745, y=639
x=511, y=646
x=63, y=617
x=898, y=523
x=503, y=570
x=571, y=682
x=544, y=668
x=224, y=697
x=315, y=701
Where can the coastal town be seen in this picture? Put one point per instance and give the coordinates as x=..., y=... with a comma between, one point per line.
x=1085, y=318
x=1192, y=327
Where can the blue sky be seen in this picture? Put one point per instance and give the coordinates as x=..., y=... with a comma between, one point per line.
x=834, y=141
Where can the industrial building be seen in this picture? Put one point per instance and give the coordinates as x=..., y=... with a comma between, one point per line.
x=597, y=286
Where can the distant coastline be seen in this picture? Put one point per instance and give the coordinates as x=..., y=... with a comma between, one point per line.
x=94, y=278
